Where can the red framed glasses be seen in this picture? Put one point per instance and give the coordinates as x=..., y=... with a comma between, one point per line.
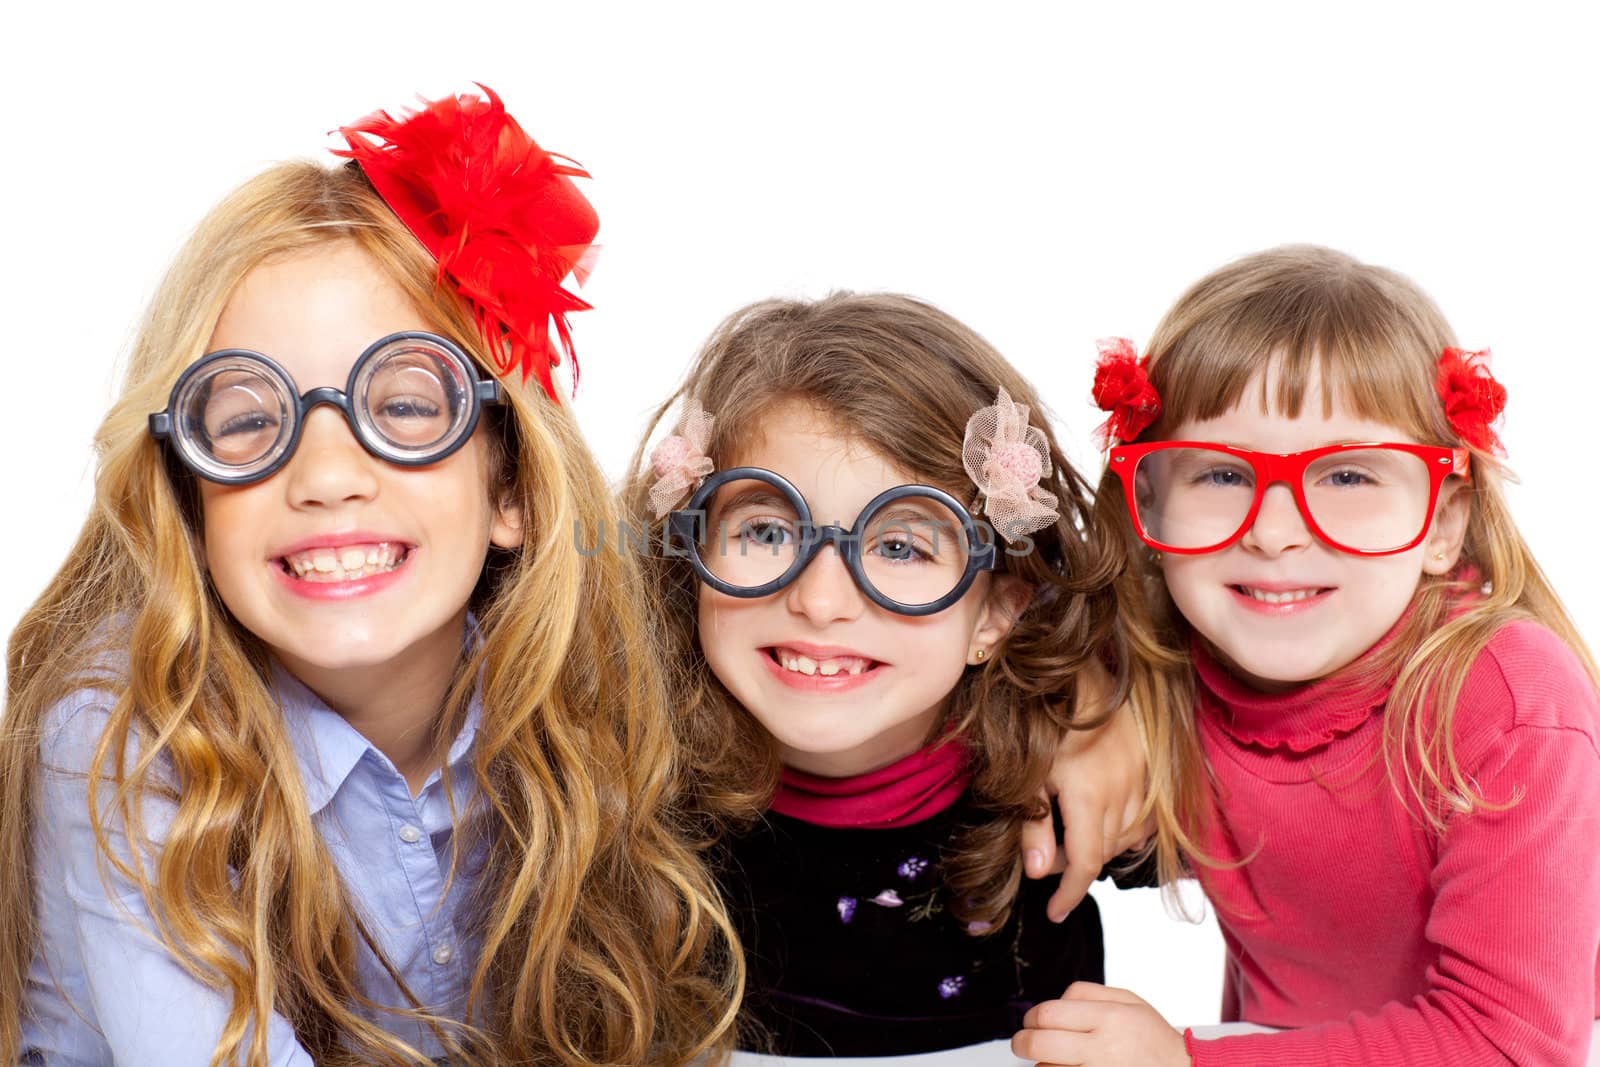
x=1192, y=497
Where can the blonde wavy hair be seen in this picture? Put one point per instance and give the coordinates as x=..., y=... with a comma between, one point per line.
x=902, y=378
x=604, y=940
x=1373, y=339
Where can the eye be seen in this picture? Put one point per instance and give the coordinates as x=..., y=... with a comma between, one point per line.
x=247, y=422
x=409, y=407
x=1348, y=478
x=899, y=547
x=1224, y=477
x=767, y=532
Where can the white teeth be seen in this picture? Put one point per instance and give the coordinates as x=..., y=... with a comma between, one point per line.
x=1290, y=597
x=345, y=563
x=828, y=668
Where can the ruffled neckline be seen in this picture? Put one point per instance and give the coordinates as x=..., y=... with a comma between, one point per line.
x=1299, y=720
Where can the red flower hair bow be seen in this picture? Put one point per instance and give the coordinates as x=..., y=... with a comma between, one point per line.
x=499, y=213
x=1473, y=400
x=1122, y=387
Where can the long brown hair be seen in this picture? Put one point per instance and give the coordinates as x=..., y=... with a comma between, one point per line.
x=604, y=940
x=902, y=378
x=1373, y=339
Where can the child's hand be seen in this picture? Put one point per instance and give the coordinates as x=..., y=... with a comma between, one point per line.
x=1099, y=1026
x=1098, y=779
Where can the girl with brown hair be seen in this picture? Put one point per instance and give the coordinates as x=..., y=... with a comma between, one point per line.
x=1383, y=720
x=325, y=745
x=879, y=574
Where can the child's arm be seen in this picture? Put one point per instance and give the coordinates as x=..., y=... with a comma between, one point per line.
x=148, y=1008
x=1098, y=779
x=1515, y=917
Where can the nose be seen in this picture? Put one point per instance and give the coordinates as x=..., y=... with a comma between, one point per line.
x=329, y=467
x=825, y=592
x=1279, y=527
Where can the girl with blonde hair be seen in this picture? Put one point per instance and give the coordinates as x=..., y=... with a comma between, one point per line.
x=881, y=577
x=1380, y=722
x=325, y=745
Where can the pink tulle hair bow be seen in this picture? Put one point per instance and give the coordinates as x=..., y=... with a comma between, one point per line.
x=680, y=461
x=1007, y=459
x=1472, y=399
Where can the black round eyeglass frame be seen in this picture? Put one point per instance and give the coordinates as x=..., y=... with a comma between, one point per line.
x=684, y=525
x=481, y=391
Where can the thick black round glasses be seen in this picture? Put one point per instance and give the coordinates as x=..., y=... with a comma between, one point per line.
x=913, y=550
x=412, y=399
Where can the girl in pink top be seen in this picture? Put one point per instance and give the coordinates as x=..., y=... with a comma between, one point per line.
x=1386, y=718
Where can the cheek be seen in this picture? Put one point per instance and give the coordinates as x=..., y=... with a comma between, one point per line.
x=226, y=517
x=717, y=625
x=1183, y=576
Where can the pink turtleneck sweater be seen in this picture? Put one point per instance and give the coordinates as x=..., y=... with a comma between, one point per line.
x=1379, y=941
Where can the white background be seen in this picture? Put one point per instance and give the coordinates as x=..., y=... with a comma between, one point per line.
x=1049, y=174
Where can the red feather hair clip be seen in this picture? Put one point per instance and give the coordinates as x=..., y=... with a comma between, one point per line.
x=1122, y=387
x=499, y=213
x=1472, y=399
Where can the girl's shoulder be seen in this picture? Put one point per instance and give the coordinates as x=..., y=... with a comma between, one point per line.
x=1528, y=678
x=70, y=730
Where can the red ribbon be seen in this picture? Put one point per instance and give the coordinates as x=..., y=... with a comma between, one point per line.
x=499, y=213
x=1122, y=387
x=1473, y=400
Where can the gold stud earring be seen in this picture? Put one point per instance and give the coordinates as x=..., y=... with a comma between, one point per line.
x=1439, y=556
x=979, y=655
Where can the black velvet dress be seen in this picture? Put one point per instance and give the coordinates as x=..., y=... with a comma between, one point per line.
x=852, y=950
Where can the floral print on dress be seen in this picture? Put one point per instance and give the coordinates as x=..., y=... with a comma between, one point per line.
x=952, y=986
x=847, y=909
x=912, y=868
x=888, y=899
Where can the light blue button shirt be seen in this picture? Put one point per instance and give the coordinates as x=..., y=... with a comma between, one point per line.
x=102, y=990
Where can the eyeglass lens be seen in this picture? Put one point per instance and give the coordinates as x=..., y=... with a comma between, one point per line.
x=239, y=413
x=1370, y=499
x=913, y=549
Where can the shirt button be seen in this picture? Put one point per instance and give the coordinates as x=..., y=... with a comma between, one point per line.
x=410, y=834
x=443, y=955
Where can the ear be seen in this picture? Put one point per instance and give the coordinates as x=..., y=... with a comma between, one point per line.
x=1442, y=549
x=505, y=531
x=1008, y=597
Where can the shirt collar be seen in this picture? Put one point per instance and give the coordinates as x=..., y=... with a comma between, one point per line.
x=328, y=748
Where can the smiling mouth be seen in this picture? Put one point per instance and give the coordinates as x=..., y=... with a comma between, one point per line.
x=345, y=563
x=1283, y=596
x=828, y=667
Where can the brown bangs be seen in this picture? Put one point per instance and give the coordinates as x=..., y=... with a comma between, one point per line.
x=1308, y=315
x=864, y=364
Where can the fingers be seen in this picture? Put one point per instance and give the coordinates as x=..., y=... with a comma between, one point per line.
x=1085, y=844
x=1050, y=1048
x=1095, y=993
x=1039, y=856
x=1133, y=831
x=1056, y=1032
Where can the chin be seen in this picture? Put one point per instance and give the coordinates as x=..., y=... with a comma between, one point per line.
x=1284, y=669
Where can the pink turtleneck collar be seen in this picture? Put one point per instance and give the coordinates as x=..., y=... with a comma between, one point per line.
x=907, y=791
x=1300, y=719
